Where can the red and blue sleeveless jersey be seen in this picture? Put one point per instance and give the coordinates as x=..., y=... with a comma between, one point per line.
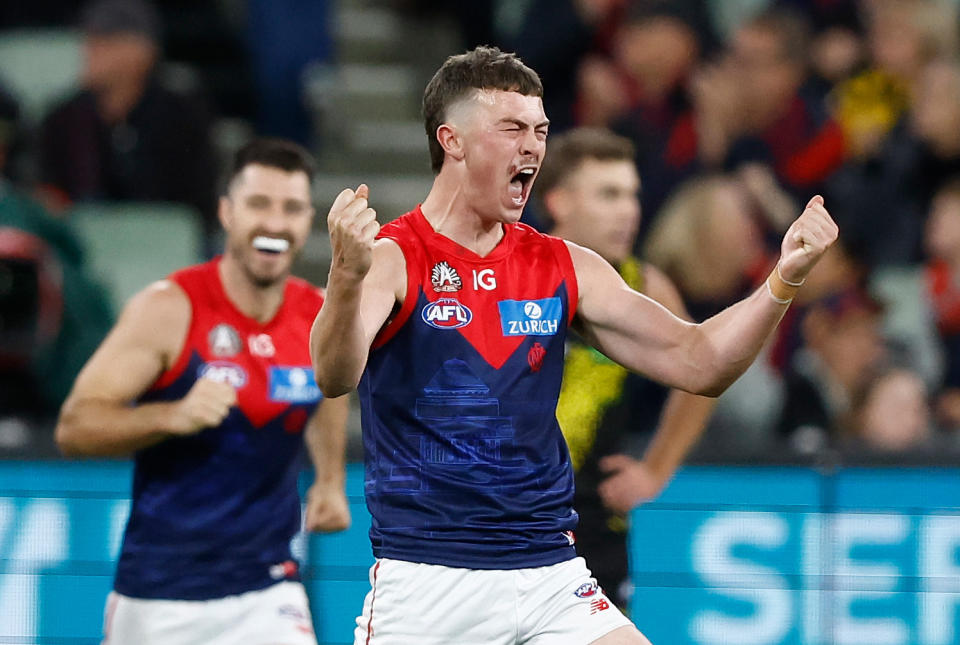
x=213, y=513
x=465, y=463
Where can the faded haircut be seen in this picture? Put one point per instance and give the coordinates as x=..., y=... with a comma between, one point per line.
x=483, y=68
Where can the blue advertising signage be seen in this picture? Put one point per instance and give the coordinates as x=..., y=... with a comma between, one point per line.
x=726, y=556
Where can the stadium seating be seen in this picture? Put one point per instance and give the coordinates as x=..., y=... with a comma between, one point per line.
x=129, y=245
x=39, y=67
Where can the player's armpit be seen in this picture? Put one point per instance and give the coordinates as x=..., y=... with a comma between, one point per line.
x=96, y=417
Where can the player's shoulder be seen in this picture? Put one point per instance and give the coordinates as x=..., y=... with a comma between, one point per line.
x=527, y=236
x=399, y=229
x=158, y=313
x=527, y=232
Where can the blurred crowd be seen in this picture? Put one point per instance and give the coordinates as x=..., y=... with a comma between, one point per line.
x=739, y=110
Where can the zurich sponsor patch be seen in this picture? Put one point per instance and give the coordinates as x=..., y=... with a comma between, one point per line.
x=530, y=317
x=224, y=372
x=586, y=590
x=446, y=313
x=293, y=385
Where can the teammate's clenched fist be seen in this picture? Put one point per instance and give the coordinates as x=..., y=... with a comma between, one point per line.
x=353, y=227
x=206, y=404
x=806, y=240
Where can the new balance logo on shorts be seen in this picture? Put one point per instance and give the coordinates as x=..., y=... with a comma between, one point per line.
x=600, y=604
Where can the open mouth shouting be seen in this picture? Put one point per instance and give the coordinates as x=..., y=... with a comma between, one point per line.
x=520, y=183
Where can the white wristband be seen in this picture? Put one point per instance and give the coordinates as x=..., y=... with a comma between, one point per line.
x=787, y=282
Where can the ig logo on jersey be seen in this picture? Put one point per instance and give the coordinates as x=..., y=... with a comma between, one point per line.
x=446, y=313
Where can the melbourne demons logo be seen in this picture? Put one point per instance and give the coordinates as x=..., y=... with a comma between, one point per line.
x=445, y=278
x=446, y=313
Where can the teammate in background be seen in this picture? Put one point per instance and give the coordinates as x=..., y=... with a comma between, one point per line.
x=206, y=380
x=589, y=188
x=453, y=324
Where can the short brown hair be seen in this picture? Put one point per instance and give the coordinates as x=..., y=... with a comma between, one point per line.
x=568, y=150
x=274, y=153
x=483, y=68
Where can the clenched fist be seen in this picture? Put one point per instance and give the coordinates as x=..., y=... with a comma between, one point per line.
x=327, y=509
x=806, y=240
x=353, y=227
x=206, y=404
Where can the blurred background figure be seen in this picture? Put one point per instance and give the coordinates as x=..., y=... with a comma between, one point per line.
x=942, y=272
x=709, y=244
x=624, y=451
x=900, y=117
x=890, y=413
x=303, y=26
x=52, y=315
x=841, y=343
x=125, y=135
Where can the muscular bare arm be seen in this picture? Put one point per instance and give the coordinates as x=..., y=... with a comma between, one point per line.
x=367, y=279
x=98, y=417
x=682, y=421
x=326, y=439
x=706, y=358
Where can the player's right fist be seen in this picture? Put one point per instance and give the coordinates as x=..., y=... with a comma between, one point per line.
x=206, y=404
x=353, y=228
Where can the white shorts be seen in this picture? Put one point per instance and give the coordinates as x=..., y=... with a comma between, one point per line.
x=426, y=604
x=277, y=615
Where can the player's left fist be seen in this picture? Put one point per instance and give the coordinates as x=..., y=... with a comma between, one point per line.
x=629, y=483
x=327, y=509
x=806, y=241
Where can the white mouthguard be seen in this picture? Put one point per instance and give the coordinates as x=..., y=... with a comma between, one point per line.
x=271, y=244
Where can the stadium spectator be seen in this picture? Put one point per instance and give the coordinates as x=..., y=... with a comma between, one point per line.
x=903, y=37
x=890, y=413
x=942, y=238
x=882, y=200
x=51, y=313
x=124, y=135
x=709, y=244
x=841, y=343
x=304, y=28
x=556, y=37
x=750, y=106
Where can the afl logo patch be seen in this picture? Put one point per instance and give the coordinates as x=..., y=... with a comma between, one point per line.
x=446, y=313
x=224, y=372
x=224, y=341
x=586, y=590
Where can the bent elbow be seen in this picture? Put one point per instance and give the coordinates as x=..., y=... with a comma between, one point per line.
x=712, y=390
x=65, y=438
x=331, y=388
x=67, y=434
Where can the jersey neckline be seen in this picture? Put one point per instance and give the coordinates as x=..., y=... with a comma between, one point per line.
x=447, y=245
x=221, y=291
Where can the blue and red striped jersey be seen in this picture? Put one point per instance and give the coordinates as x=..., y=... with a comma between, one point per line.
x=465, y=462
x=213, y=513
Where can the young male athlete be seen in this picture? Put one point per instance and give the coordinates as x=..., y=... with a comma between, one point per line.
x=453, y=324
x=589, y=191
x=206, y=379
